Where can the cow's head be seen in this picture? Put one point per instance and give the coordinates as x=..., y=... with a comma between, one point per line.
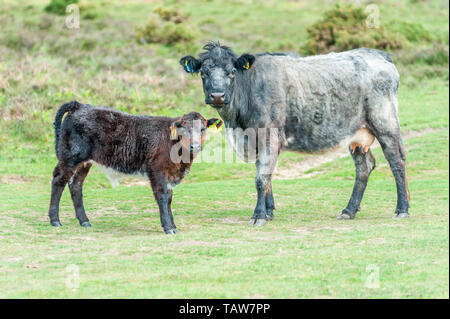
x=218, y=66
x=190, y=130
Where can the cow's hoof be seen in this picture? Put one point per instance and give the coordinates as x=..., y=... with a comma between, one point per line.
x=171, y=231
x=56, y=223
x=257, y=222
x=269, y=216
x=85, y=224
x=260, y=222
x=400, y=215
x=345, y=216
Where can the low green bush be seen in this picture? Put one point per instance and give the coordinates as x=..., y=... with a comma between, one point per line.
x=345, y=28
x=166, y=26
x=59, y=6
x=171, y=14
x=412, y=32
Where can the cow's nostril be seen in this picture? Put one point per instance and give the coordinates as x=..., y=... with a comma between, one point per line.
x=217, y=98
x=217, y=95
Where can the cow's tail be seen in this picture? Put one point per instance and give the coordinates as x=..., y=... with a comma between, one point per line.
x=407, y=189
x=403, y=157
x=66, y=107
x=408, y=195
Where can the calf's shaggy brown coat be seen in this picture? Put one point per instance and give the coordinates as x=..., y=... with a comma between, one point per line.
x=129, y=144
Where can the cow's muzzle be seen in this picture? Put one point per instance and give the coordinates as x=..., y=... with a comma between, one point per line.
x=216, y=99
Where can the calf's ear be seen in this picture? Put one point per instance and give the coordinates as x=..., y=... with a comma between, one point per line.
x=174, y=130
x=244, y=62
x=190, y=64
x=215, y=123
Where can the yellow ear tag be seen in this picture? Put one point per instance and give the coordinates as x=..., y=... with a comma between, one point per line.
x=173, y=133
x=247, y=66
x=213, y=127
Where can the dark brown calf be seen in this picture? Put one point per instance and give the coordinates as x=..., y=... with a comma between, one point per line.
x=160, y=148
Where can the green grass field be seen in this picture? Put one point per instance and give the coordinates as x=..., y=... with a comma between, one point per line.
x=303, y=253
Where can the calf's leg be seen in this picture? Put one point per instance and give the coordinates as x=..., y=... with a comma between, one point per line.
x=364, y=164
x=170, y=208
x=76, y=191
x=158, y=182
x=61, y=175
x=270, y=203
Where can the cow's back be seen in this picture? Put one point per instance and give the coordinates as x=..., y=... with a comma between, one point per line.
x=325, y=96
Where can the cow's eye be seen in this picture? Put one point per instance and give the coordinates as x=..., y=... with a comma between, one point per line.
x=203, y=129
x=203, y=75
x=231, y=74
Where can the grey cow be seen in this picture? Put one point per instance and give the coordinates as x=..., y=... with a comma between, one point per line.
x=317, y=103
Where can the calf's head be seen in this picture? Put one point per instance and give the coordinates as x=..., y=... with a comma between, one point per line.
x=218, y=66
x=190, y=130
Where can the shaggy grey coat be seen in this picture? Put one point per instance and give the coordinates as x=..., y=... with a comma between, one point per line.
x=316, y=103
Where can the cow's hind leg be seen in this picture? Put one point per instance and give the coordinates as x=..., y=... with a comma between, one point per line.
x=364, y=164
x=383, y=117
x=395, y=154
x=76, y=191
x=61, y=175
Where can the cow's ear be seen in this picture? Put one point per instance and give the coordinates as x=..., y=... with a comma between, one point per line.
x=190, y=64
x=214, y=123
x=244, y=62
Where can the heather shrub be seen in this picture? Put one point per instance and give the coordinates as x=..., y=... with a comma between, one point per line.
x=59, y=6
x=166, y=26
x=344, y=28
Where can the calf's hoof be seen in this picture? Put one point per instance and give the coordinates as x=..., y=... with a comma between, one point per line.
x=56, y=223
x=257, y=222
x=85, y=224
x=400, y=215
x=269, y=216
x=345, y=216
x=171, y=231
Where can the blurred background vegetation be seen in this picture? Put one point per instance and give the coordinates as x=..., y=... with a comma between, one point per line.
x=125, y=54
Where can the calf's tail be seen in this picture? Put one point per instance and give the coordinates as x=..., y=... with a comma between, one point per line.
x=66, y=107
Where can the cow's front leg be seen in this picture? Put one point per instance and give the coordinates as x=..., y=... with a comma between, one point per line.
x=259, y=217
x=163, y=197
x=270, y=203
x=265, y=205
